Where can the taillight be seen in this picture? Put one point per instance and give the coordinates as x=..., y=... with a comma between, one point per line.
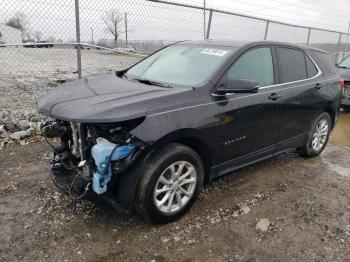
x=342, y=83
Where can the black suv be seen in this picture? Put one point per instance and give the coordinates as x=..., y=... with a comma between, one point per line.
x=151, y=135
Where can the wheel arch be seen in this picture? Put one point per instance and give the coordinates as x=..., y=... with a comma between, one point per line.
x=331, y=112
x=189, y=138
x=125, y=188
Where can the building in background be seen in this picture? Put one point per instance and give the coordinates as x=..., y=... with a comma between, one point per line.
x=10, y=35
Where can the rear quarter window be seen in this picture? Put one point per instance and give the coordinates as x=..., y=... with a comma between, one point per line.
x=324, y=61
x=310, y=66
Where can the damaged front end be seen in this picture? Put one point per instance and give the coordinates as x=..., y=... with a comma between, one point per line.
x=89, y=156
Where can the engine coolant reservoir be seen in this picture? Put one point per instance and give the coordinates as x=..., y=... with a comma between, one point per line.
x=101, y=152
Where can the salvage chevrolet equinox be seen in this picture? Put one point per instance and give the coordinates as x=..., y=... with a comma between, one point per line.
x=150, y=136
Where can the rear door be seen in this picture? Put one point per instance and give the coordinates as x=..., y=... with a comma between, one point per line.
x=301, y=89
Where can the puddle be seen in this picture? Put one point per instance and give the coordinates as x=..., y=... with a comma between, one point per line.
x=337, y=159
x=341, y=134
x=340, y=170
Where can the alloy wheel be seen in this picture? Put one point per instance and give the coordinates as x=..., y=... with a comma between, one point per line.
x=320, y=134
x=175, y=187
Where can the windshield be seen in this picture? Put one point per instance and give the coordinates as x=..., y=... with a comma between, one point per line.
x=186, y=65
x=345, y=62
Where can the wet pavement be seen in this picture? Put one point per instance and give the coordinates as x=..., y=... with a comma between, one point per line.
x=341, y=133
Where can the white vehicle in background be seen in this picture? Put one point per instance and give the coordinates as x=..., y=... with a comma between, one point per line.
x=126, y=49
x=339, y=56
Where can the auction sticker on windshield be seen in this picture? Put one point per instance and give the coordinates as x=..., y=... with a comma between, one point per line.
x=211, y=51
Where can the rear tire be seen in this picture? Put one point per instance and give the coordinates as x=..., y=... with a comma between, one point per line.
x=318, y=136
x=171, y=181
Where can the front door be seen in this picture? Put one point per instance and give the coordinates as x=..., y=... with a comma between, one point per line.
x=249, y=123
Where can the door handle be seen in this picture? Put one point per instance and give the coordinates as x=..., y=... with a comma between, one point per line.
x=274, y=96
x=318, y=86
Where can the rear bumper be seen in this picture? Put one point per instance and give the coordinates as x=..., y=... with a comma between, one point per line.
x=346, y=95
x=345, y=101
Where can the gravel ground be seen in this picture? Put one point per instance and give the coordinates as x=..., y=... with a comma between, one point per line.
x=28, y=73
x=305, y=202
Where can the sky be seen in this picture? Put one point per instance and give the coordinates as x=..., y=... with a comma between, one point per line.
x=154, y=21
x=334, y=15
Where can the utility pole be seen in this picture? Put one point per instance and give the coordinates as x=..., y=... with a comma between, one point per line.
x=92, y=35
x=126, y=28
x=204, y=19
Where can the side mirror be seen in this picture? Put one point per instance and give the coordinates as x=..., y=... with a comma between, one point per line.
x=238, y=86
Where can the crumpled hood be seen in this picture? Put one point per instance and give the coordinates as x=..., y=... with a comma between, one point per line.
x=104, y=98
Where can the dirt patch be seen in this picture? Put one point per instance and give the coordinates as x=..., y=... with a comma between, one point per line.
x=307, y=202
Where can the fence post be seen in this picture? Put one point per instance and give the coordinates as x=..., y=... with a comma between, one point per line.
x=126, y=28
x=266, y=29
x=209, y=23
x=339, y=40
x=308, y=36
x=346, y=41
x=204, y=17
x=77, y=31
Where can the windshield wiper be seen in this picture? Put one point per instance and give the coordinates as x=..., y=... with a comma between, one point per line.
x=345, y=67
x=150, y=82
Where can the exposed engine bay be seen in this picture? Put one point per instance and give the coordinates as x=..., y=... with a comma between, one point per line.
x=89, y=155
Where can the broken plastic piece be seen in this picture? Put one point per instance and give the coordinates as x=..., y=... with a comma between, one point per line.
x=104, y=152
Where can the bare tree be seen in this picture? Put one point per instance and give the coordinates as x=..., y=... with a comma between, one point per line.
x=113, y=20
x=18, y=21
x=37, y=36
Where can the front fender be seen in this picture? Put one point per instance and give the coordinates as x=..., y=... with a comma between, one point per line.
x=123, y=188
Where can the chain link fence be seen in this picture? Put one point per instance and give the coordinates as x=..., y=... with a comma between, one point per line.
x=49, y=35
x=46, y=42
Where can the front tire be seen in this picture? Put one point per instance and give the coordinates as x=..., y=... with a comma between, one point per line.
x=318, y=136
x=171, y=181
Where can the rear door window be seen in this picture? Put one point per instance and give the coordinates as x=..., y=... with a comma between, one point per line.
x=256, y=65
x=292, y=64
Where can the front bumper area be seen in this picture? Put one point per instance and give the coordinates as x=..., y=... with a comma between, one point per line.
x=68, y=182
x=84, y=164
